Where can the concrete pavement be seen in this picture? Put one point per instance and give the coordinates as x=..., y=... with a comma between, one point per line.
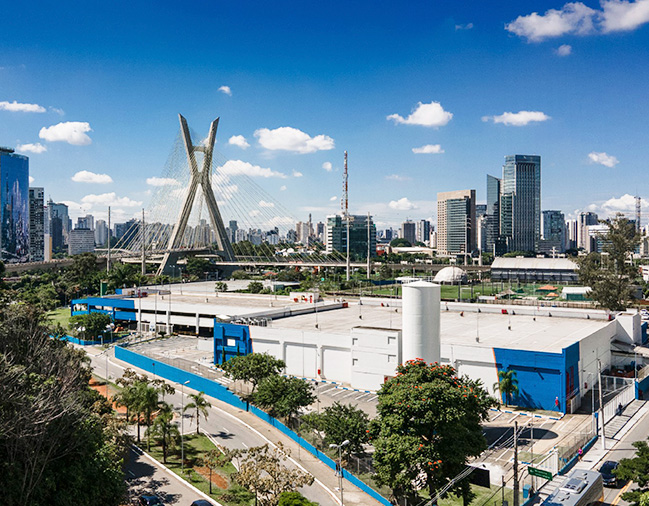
x=234, y=428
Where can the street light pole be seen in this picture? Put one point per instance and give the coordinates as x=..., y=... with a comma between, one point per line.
x=340, y=463
x=182, y=425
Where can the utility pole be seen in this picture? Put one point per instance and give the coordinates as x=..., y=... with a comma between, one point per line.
x=516, y=498
x=601, y=404
x=143, y=234
x=369, y=246
x=108, y=258
x=345, y=211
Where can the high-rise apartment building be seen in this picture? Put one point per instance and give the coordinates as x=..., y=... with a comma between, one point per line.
x=36, y=224
x=553, y=236
x=409, y=231
x=585, y=220
x=14, y=206
x=81, y=240
x=59, y=224
x=87, y=221
x=422, y=233
x=358, y=234
x=456, y=222
x=520, y=202
x=101, y=233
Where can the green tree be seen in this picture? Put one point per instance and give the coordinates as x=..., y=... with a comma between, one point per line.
x=255, y=287
x=263, y=472
x=400, y=242
x=84, y=273
x=507, y=385
x=294, y=499
x=199, y=266
x=146, y=403
x=610, y=275
x=342, y=422
x=57, y=436
x=214, y=459
x=428, y=425
x=283, y=396
x=636, y=469
x=164, y=430
x=253, y=367
x=199, y=404
x=94, y=324
x=221, y=286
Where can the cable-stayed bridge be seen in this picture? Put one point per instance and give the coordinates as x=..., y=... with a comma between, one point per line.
x=206, y=205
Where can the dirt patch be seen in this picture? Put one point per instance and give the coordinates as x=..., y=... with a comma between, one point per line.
x=217, y=479
x=103, y=389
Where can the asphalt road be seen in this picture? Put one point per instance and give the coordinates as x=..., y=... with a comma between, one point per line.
x=146, y=476
x=624, y=449
x=224, y=427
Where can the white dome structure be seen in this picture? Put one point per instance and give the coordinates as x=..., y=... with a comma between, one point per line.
x=450, y=276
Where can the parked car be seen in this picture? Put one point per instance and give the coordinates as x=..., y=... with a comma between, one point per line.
x=202, y=502
x=608, y=477
x=149, y=500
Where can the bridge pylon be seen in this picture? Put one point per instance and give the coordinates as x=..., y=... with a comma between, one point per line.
x=202, y=178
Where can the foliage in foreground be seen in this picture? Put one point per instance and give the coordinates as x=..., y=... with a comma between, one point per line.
x=428, y=425
x=340, y=422
x=253, y=367
x=59, y=441
x=636, y=469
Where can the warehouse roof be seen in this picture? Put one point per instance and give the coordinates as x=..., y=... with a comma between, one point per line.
x=548, y=264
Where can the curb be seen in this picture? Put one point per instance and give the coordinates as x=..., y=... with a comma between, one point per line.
x=520, y=413
x=180, y=478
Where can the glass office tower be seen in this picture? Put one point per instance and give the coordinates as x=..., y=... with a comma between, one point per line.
x=520, y=202
x=14, y=206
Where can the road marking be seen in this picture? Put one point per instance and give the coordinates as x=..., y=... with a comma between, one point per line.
x=244, y=444
x=619, y=496
x=338, y=393
x=372, y=398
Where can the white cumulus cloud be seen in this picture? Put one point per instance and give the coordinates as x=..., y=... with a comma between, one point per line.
x=263, y=203
x=564, y=50
x=239, y=140
x=282, y=188
x=603, y=159
x=428, y=115
x=403, y=204
x=254, y=212
x=334, y=198
x=31, y=148
x=18, y=107
x=72, y=132
x=226, y=90
x=428, y=149
x=467, y=26
x=31, y=180
x=239, y=168
x=327, y=166
x=297, y=173
x=520, y=118
x=109, y=199
x=162, y=181
x=576, y=18
x=292, y=139
x=85, y=176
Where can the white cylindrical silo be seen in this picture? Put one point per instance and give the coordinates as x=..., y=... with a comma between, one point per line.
x=420, y=322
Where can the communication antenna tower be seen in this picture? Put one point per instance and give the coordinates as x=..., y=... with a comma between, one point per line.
x=638, y=212
x=345, y=211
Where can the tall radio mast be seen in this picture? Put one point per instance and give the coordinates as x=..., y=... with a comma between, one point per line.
x=345, y=211
x=638, y=213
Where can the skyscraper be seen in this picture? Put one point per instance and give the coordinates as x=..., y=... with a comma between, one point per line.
x=456, y=222
x=409, y=231
x=584, y=221
x=520, y=202
x=87, y=221
x=423, y=231
x=101, y=233
x=553, y=238
x=337, y=235
x=492, y=225
x=14, y=206
x=59, y=224
x=36, y=224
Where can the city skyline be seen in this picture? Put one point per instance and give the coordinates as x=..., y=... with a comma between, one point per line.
x=426, y=99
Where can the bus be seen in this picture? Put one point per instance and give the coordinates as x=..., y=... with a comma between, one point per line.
x=581, y=488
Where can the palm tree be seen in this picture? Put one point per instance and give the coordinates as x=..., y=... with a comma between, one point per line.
x=200, y=404
x=507, y=384
x=146, y=403
x=164, y=429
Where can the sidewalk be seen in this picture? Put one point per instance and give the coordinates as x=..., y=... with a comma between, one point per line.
x=353, y=496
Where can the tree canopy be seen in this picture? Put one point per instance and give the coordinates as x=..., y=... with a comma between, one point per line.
x=253, y=367
x=341, y=422
x=636, y=469
x=610, y=275
x=428, y=425
x=283, y=396
x=59, y=442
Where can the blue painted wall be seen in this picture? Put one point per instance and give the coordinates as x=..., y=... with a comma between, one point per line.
x=224, y=332
x=543, y=378
x=119, y=309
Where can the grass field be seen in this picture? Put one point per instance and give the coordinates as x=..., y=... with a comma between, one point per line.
x=60, y=315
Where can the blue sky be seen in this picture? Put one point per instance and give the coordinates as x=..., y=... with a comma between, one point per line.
x=96, y=87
